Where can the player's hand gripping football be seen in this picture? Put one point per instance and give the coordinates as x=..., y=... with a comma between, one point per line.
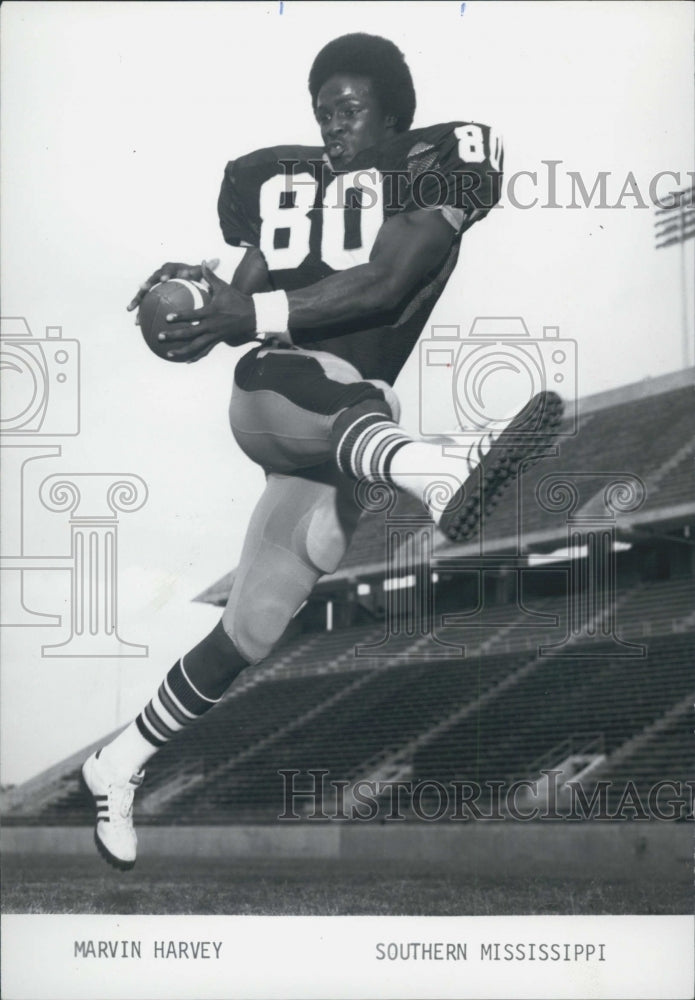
x=228, y=318
x=191, y=272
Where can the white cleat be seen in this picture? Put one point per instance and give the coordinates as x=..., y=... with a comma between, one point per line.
x=114, y=834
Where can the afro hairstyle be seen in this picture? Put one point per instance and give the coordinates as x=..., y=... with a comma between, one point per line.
x=376, y=58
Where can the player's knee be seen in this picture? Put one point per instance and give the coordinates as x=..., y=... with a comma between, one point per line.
x=365, y=408
x=392, y=400
x=256, y=627
x=325, y=538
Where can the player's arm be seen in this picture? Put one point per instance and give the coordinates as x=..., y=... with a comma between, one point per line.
x=408, y=247
x=251, y=275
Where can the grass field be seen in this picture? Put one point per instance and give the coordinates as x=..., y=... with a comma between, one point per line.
x=300, y=887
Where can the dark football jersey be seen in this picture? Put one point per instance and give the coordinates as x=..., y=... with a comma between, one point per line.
x=310, y=222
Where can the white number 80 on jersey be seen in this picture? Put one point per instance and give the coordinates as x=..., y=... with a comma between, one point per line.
x=286, y=201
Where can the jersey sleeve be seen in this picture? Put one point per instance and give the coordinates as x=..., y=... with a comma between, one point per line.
x=237, y=208
x=458, y=169
x=239, y=202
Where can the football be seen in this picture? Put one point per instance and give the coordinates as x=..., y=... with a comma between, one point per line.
x=175, y=295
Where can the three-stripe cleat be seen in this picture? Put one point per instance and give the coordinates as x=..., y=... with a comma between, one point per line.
x=114, y=834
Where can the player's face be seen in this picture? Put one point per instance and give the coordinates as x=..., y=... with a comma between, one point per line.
x=350, y=118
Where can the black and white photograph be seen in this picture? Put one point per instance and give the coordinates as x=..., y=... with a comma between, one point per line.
x=347, y=446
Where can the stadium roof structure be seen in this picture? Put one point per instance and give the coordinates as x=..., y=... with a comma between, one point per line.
x=626, y=455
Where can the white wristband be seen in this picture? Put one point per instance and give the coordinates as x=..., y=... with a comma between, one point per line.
x=272, y=312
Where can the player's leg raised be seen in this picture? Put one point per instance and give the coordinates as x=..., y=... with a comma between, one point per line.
x=456, y=487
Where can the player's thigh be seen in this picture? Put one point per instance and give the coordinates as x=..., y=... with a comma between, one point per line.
x=300, y=529
x=285, y=403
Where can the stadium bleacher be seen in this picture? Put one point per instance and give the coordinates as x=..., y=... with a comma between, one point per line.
x=571, y=697
x=527, y=687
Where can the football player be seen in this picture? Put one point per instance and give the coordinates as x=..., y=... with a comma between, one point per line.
x=349, y=246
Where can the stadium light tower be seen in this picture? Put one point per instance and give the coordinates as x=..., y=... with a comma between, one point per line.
x=675, y=224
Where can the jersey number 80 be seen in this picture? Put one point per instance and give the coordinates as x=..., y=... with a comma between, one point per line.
x=285, y=204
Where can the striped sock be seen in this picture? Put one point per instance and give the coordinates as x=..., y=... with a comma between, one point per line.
x=192, y=687
x=368, y=445
x=377, y=449
x=176, y=704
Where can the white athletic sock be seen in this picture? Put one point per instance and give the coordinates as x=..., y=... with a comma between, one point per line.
x=127, y=753
x=423, y=471
x=373, y=447
x=178, y=703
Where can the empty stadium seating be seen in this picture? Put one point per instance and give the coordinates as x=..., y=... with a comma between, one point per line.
x=487, y=716
x=526, y=689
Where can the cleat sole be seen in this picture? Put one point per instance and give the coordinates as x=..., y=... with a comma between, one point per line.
x=111, y=859
x=499, y=467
